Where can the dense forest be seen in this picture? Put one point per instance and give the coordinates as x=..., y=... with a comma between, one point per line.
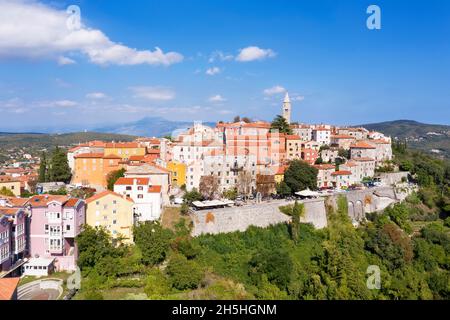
x=409, y=243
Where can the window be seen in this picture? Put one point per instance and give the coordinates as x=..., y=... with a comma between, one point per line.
x=140, y=196
x=128, y=188
x=68, y=227
x=114, y=221
x=140, y=188
x=114, y=202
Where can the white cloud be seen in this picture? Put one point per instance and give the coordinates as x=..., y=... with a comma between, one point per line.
x=253, y=53
x=217, y=98
x=213, y=71
x=58, y=104
x=96, y=95
x=153, y=93
x=62, y=61
x=33, y=30
x=219, y=55
x=274, y=90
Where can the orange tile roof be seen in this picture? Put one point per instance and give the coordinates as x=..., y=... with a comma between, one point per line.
x=380, y=141
x=154, y=189
x=43, y=200
x=342, y=136
x=282, y=169
x=292, y=137
x=130, y=181
x=8, y=179
x=362, y=145
x=154, y=151
x=89, y=155
x=341, y=173
x=111, y=156
x=72, y=202
x=136, y=158
x=122, y=145
x=15, y=202
x=105, y=193
x=7, y=287
x=324, y=166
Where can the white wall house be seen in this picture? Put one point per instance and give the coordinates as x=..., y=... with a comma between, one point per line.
x=146, y=196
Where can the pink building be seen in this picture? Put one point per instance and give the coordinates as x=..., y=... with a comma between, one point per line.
x=55, y=221
x=12, y=236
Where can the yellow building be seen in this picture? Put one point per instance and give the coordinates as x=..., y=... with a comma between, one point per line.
x=112, y=211
x=10, y=184
x=293, y=147
x=279, y=175
x=92, y=169
x=125, y=149
x=178, y=171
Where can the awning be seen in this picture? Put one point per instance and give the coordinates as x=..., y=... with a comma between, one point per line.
x=307, y=193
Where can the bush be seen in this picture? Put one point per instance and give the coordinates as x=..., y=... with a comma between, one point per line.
x=153, y=242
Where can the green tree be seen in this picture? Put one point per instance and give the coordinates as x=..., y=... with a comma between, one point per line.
x=43, y=174
x=4, y=191
x=280, y=124
x=183, y=273
x=300, y=175
x=157, y=285
x=276, y=264
x=192, y=196
x=113, y=176
x=59, y=169
x=153, y=241
x=283, y=189
x=95, y=244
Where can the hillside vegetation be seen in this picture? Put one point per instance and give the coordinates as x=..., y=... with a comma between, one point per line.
x=36, y=141
x=420, y=136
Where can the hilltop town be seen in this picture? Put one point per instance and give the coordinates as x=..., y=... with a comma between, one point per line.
x=239, y=160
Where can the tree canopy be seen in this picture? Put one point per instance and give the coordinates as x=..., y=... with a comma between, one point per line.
x=300, y=176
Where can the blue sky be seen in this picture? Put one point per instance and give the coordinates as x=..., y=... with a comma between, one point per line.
x=218, y=59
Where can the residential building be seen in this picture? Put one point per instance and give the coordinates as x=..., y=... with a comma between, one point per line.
x=178, y=173
x=321, y=135
x=362, y=149
x=158, y=176
x=325, y=178
x=55, y=221
x=293, y=147
x=10, y=183
x=310, y=155
x=342, y=141
x=92, y=169
x=147, y=196
x=124, y=150
x=303, y=131
x=329, y=155
x=12, y=235
x=342, y=179
x=112, y=211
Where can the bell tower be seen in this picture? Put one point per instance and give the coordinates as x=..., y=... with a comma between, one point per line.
x=287, y=108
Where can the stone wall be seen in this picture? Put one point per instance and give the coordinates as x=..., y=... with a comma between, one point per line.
x=260, y=215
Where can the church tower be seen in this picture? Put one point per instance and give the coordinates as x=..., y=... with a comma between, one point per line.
x=287, y=108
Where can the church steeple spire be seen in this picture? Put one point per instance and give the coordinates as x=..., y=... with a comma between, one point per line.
x=287, y=108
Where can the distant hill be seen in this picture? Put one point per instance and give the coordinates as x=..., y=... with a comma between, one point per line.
x=432, y=138
x=150, y=127
x=39, y=141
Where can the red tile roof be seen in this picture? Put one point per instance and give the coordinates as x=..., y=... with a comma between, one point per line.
x=105, y=193
x=72, y=202
x=122, y=145
x=130, y=181
x=89, y=155
x=362, y=145
x=7, y=287
x=341, y=173
x=112, y=156
x=154, y=189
